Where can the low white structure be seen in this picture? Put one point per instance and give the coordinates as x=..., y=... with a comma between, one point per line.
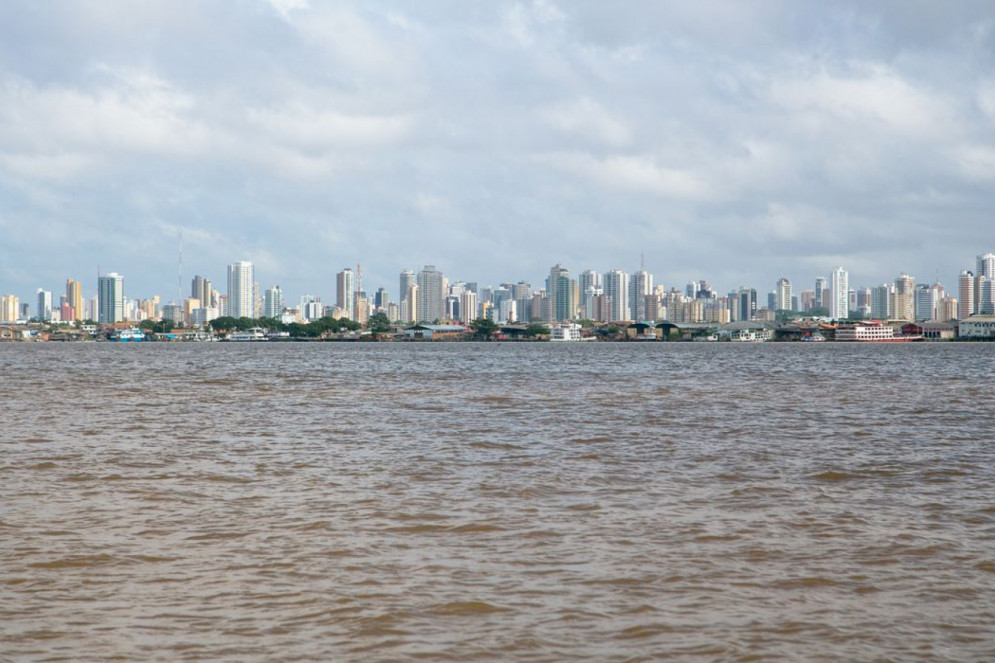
x=564, y=331
x=872, y=331
x=977, y=327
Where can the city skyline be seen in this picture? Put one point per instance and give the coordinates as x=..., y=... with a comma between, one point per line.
x=815, y=136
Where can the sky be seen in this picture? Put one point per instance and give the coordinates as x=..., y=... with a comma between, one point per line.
x=729, y=141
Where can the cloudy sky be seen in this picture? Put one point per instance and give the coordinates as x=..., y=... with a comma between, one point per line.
x=733, y=141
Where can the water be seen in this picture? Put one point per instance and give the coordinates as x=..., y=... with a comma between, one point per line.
x=603, y=502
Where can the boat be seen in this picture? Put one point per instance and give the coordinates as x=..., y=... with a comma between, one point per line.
x=871, y=332
x=129, y=335
x=249, y=335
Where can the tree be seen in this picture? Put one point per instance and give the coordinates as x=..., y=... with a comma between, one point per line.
x=484, y=328
x=379, y=323
x=536, y=329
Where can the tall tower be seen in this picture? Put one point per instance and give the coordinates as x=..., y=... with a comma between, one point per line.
x=905, y=288
x=345, y=292
x=110, y=298
x=783, y=294
x=965, y=295
x=839, y=294
x=44, y=305
x=74, y=295
x=273, y=302
x=617, y=289
x=820, y=288
x=559, y=294
x=640, y=285
x=431, y=295
x=241, y=290
x=200, y=288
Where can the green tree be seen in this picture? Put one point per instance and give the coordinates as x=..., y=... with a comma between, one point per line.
x=379, y=323
x=484, y=328
x=536, y=329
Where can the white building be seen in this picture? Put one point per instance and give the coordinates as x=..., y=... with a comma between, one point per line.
x=617, y=290
x=640, y=286
x=839, y=294
x=783, y=292
x=345, y=292
x=273, y=302
x=241, y=290
x=431, y=295
x=564, y=331
x=977, y=327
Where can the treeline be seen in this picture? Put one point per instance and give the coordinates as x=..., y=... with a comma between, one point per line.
x=313, y=329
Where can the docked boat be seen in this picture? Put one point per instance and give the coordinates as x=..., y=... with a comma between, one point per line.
x=249, y=335
x=129, y=335
x=871, y=332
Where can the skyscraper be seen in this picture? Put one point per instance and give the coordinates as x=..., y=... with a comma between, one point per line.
x=783, y=291
x=640, y=285
x=986, y=270
x=905, y=288
x=241, y=290
x=44, y=305
x=200, y=289
x=110, y=298
x=882, y=298
x=558, y=291
x=617, y=289
x=839, y=289
x=273, y=302
x=431, y=294
x=820, y=288
x=345, y=292
x=74, y=295
x=965, y=295
x=9, y=305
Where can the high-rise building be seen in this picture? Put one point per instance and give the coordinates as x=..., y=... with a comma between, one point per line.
x=882, y=298
x=839, y=288
x=273, y=302
x=640, y=285
x=9, y=308
x=820, y=289
x=241, y=290
x=747, y=303
x=74, y=296
x=431, y=294
x=110, y=295
x=905, y=287
x=617, y=290
x=965, y=295
x=409, y=304
x=467, y=307
x=345, y=292
x=947, y=309
x=588, y=285
x=985, y=270
x=44, y=305
x=381, y=299
x=200, y=288
x=985, y=293
x=558, y=291
x=783, y=294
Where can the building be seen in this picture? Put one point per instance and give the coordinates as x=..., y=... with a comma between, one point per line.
x=978, y=327
x=965, y=294
x=747, y=303
x=839, y=294
x=947, y=309
x=44, y=311
x=345, y=292
x=985, y=268
x=431, y=295
x=905, y=298
x=640, y=287
x=984, y=293
x=74, y=296
x=110, y=298
x=588, y=285
x=558, y=290
x=200, y=289
x=783, y=291
x=617, y=290
x=407, y=278
x=241, y=290
x=273, y=302
x=9, y=308
x=467, y=307
x=820, y=289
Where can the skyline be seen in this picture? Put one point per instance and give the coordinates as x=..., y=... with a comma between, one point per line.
x=731, y=143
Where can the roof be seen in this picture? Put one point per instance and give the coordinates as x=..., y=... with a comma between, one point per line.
x=439, y=328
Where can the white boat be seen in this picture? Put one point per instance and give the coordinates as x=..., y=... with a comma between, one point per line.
x=253, y=334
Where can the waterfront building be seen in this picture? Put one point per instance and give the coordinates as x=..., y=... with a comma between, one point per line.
x=74, y=296
x=985, y=294
x=617, y=289
x=985, y=268
x=965, y=294
x=241, y=290
x=431, y=294
x=44, y=310
x=977, y=327
x=110, y=295
x=839, y=289
x=783, y=295
x=345, y=292
x=273, y=302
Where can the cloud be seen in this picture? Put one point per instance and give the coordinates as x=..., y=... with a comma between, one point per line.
x=632, y=174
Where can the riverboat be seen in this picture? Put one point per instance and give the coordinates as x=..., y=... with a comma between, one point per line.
x=130, y=335
x=249, y=335
x=871, y=332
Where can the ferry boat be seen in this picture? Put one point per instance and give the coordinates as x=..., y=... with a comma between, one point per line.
x=871, y=332
x=129, y=335
x=253, y=334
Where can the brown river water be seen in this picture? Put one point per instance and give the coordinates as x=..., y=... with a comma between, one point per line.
x=465, y=502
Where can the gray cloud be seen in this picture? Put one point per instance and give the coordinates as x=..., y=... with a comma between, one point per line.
x=730, y=141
